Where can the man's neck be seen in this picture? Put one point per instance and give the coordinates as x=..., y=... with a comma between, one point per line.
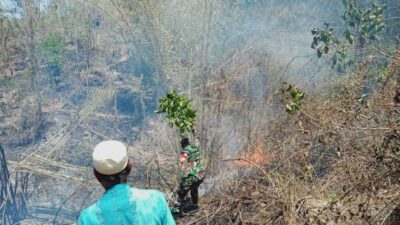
x=110, y=186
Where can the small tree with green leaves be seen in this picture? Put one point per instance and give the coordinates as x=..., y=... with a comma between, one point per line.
x=179, y=111
x=362, y=24
x=53, y=48
x=365, y=24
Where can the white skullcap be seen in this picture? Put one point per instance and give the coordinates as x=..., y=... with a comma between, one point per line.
x=110, y=157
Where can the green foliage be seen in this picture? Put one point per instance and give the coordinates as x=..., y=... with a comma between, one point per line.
x=54, y=47
x=295, y=103
x=380, y=153
x=363, y=27
x=178, y=111
x=367, y=23
x=340, y=59
x=323, y=39
x=333, y=197
x=308, y=173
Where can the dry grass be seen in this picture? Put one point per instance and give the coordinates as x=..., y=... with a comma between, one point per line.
x=336, y=162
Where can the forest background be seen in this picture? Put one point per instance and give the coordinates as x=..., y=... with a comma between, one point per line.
x=298, y=105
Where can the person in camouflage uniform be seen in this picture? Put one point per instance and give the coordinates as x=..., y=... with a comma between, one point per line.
x=192, y=172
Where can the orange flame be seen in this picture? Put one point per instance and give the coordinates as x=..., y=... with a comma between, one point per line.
x=255, y=155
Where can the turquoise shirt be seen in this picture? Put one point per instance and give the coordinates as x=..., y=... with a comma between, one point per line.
x=123, y=205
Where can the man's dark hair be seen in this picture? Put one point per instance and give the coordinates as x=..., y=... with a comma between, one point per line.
x=109, y=181
x=185, y=142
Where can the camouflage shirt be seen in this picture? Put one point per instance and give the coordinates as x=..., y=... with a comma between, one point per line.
x=190, y=158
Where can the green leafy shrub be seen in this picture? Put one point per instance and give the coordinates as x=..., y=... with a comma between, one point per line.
x=363, y=26
x=323, y=39
x=295, y=103
x=364, y=23
x=178, y=111
x=53, y=48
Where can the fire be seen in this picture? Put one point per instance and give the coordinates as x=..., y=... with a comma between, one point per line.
x=255, y=155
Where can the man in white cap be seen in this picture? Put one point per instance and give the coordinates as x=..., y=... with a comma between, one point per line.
x=120, y=203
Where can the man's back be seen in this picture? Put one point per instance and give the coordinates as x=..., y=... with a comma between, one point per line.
x=128, y=206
